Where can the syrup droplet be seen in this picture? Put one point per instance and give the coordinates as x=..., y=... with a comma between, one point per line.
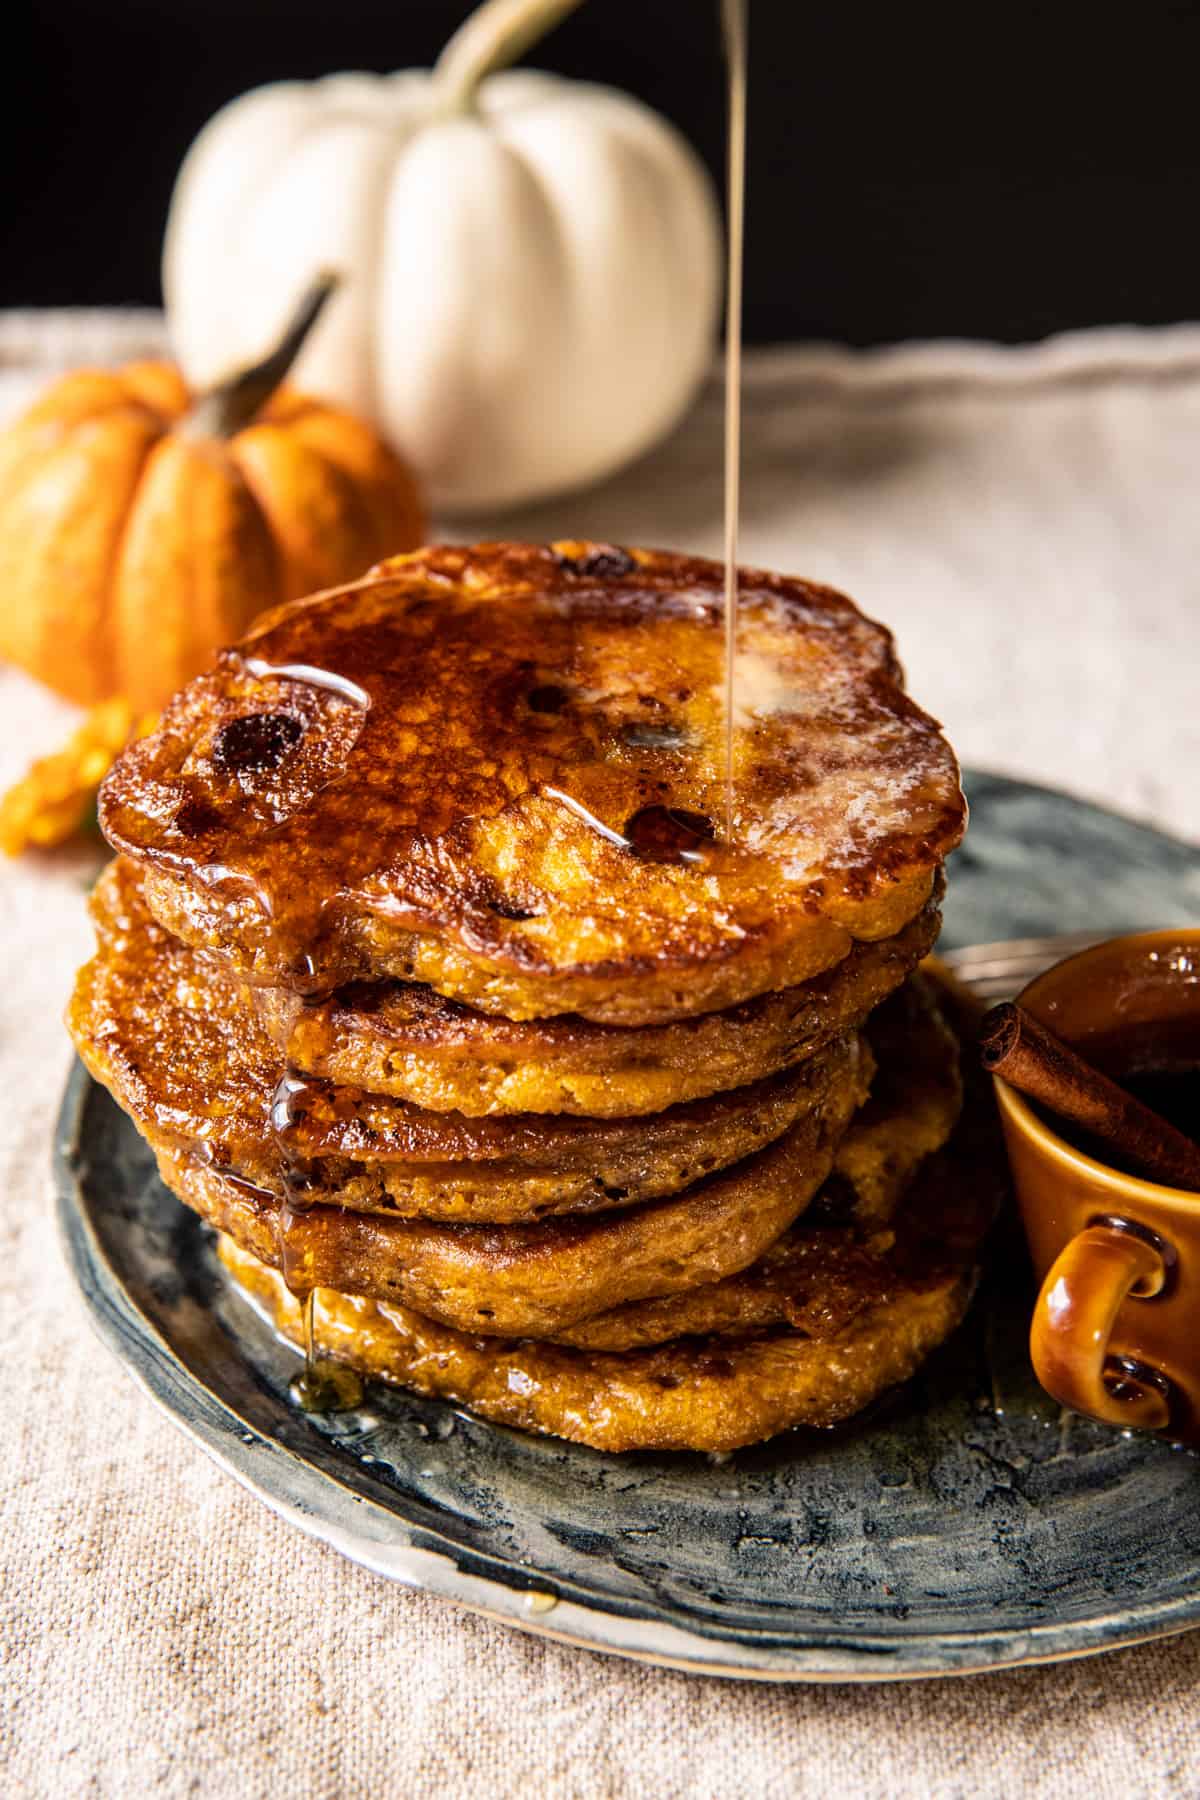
x=287, y=1102
x=255, y=742
x=323, y=1386
x=537, y=1602
x=328, y=1387
x=669, y=834
x=288, y=1117
x=329, y=679
x=588, y=817
x=193, y=817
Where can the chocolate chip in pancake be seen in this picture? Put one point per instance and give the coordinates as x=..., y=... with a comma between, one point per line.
x=499, y=771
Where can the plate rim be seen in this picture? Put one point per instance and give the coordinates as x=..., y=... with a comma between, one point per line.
x=299, y=1490
x=389, y=1547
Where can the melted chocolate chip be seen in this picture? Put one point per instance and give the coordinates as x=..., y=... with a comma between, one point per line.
x=546, y=699
x=668, y=834
x=510, y=909
x=255, y=742
x=608, y=561
x=193, y=817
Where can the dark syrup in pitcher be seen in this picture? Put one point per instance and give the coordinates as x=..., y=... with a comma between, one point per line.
x=1158, y=1062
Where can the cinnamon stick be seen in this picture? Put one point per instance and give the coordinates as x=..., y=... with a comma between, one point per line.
x=1031, y=1059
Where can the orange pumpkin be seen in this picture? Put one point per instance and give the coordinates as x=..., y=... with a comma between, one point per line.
x=140, y=528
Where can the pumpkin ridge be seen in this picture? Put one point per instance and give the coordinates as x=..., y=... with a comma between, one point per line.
x=31, y=441
x=377, y=477
x=265, y=529
x=112, y=647
x=48, y=622
x=123, y=676
x=262, y=454
x=146, y=382
x=79, y=398
x=169, y=547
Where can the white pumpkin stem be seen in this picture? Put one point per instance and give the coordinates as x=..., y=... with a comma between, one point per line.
x=229, y=407
x=494, y=35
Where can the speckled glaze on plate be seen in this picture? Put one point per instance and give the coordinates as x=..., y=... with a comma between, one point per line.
x=966, y=1523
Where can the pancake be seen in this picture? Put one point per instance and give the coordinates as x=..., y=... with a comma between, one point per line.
x=886, y=1314
x=403, y=1039
x=531, y=1280
x=197, y=1074
x=500, y=771
x=815, y=1277
x=358, y=1154
x=917, y=1040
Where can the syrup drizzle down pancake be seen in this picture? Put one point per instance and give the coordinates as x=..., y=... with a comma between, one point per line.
x=403, y=1039
x=533, y=1280
x=500, y=771
x=887, y=1311
x=201, y=1075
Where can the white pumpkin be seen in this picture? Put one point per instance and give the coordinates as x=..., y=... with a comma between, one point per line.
x=532, y=265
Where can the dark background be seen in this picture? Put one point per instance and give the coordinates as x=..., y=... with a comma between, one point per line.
x=996, y=171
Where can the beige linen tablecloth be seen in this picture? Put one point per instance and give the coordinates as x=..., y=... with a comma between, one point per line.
x=1027, y=521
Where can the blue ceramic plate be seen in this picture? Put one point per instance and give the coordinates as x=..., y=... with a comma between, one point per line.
x=966, y=1523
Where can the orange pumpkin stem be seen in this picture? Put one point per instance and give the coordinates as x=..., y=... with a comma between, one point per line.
x=229, y=407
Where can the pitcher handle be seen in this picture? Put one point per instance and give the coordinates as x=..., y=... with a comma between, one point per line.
x=1095, y=1274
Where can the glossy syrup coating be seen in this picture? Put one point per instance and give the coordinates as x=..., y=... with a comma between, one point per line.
x=405, y=1039
x=533, y=1280
x=196, y=1070
x=825, y=1270
x=915, y=1101
x=500, y=771
x=865, y=1319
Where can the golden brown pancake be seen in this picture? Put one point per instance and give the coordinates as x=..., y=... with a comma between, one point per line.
x=198, y=1073
x=885, y=1314
x=408, y=1040
x=532, y=1280
x=500, y=771
x=915, y=1100
x=914, y=1105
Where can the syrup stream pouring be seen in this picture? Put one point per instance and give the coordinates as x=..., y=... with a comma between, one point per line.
x=733, y=24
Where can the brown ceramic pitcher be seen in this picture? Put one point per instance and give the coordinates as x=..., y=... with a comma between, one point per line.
x=1116, y=1327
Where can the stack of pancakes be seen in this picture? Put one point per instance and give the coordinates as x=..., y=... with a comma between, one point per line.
x=443, y=984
